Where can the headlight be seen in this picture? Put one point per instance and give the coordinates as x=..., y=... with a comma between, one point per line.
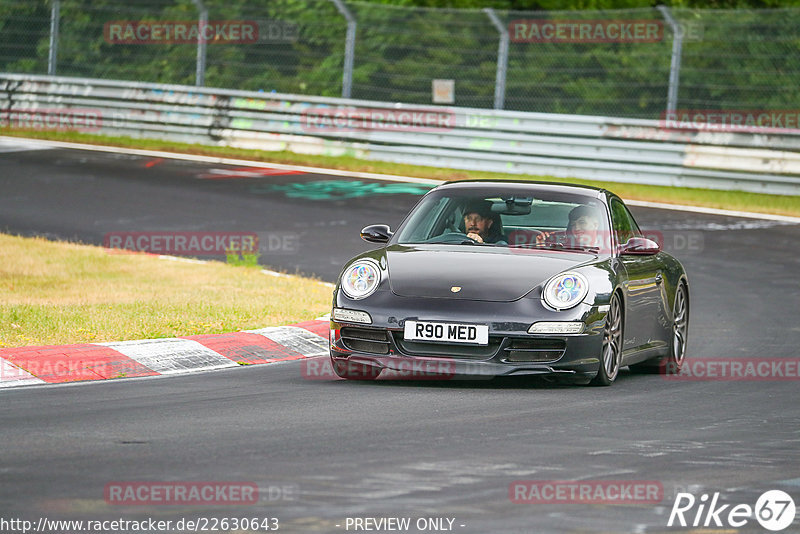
x=565, y=291
x=361, y=279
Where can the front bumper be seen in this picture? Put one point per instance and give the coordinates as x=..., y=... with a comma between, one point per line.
x=511, y=350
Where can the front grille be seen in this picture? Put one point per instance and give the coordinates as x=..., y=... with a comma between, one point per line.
x=455, y=350
x=365, y=340
x=534, y=350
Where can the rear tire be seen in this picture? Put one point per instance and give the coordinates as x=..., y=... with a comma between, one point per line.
x=611, y=353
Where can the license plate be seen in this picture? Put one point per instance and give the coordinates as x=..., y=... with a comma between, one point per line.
x=473, y=334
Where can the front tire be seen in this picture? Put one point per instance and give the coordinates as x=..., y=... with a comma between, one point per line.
x=672, y=363
x=611, y=354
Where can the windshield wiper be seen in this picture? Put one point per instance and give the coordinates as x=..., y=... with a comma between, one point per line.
x=559, y=246
x=591, y=250
x=465, y=241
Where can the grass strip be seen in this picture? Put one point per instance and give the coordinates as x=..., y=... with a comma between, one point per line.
x=54, y=293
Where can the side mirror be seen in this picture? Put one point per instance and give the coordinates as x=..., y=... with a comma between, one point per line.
x=376, y=233
x=640, y=246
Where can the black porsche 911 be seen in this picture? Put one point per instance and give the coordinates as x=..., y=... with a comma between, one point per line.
x=496, y=278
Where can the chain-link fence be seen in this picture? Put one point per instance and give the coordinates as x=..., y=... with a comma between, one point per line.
x=627, y=63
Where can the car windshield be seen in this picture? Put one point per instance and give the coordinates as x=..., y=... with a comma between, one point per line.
x=508, y=218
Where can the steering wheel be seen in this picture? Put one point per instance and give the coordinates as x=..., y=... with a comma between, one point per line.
x=452, y=237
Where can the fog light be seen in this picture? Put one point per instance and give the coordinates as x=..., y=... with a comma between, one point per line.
x=556, y=327
x=351, y=316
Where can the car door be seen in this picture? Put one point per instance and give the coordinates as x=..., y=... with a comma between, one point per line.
x=642, y=285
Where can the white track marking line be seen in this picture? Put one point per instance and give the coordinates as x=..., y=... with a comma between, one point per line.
x=20, y=144
x=229, y=161
x=713, y=211
x=367, y=175
x=263, y=271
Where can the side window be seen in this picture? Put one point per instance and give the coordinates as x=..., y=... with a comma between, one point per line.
x=625, y=226
x=428, y=220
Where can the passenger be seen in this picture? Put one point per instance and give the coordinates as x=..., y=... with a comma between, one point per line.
x=582, y=229
x=583, y=226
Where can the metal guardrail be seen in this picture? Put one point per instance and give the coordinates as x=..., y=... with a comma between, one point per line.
x=588, y=147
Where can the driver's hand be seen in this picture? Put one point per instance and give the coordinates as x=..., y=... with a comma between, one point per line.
x=542, y=238
x=475, y=237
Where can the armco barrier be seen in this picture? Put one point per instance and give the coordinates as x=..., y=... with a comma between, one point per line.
x=599, y=148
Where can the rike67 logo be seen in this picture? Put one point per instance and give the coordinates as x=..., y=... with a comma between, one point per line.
x=774, y=510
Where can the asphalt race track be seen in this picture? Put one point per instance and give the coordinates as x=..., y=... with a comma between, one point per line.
x=305, y=222
x=322, y=451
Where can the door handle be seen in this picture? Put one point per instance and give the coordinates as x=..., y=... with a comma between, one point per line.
x=659, y=278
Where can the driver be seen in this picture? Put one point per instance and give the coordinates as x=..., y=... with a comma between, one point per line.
x=479, y=223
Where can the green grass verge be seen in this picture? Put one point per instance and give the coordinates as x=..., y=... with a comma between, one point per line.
x=54, y=293
x=732, y=200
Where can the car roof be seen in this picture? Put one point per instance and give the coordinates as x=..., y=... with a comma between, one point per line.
x=559, y=187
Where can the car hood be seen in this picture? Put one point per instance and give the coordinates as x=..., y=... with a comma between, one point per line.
x=497, y=274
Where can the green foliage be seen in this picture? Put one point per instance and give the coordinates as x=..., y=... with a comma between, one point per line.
x=737, y=59
x=242, y=256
